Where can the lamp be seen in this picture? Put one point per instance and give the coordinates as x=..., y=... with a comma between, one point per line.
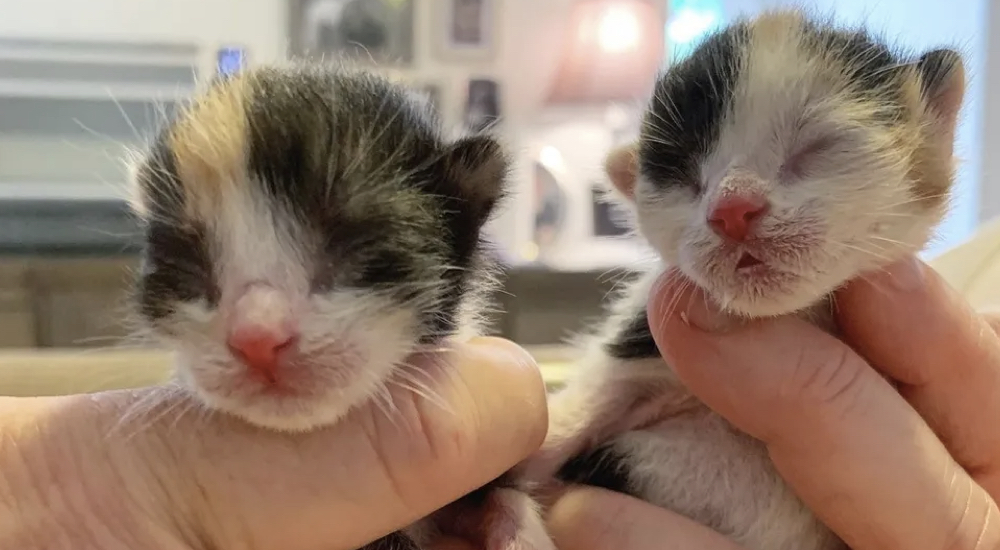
x=613, y=51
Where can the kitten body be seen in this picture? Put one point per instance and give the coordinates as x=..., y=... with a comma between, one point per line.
x=783, y=157
x=307, y=229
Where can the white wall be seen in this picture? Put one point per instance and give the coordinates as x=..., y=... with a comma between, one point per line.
x=66, y=148
x=989, y=206
x=527, y=49
x=530, y=32
x=260, y=25
x=925, y=24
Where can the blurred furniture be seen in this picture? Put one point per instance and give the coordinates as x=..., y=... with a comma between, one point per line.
x=83, y=302
x=973, y=268
x=70, y=107
x=64, y=268
x=64, y=302
x=65, y=276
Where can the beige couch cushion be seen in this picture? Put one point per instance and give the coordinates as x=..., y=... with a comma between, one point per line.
x=973, y=267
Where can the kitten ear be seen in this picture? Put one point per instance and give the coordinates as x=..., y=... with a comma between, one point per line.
x=942, y=82
x=479, y=167
x=622, y=167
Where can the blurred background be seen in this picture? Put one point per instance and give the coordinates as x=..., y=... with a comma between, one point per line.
x=561, y=80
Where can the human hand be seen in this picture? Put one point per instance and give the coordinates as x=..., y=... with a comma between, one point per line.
x=73, y=474
x=885, y=469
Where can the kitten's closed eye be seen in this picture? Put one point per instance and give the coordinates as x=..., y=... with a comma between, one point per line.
x=798, y=163
x=177, y=266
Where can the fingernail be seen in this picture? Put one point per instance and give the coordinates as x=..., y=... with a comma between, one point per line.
x=693, y=306
x=492, y=344
x=704, y=314
x=907, y=274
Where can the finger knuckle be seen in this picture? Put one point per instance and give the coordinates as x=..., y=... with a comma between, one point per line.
x=825, y=381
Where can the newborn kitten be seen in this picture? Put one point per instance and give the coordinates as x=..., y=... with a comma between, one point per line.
x=307, y=229
x=782, y=158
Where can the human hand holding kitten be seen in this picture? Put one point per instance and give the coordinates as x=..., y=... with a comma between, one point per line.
x=75, y=474
x=886, y=469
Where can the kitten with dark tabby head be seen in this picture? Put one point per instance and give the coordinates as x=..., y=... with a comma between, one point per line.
x=307, y=229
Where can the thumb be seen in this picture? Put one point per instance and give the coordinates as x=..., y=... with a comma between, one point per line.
x=478, y=409
x=775, y=379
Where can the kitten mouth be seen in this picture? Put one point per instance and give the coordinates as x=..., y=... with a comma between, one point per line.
x=283, y=388
x=280, y=390
x=748, y=261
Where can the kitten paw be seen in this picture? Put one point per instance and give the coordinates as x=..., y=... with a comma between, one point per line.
x=496, y=518
x=515, y=523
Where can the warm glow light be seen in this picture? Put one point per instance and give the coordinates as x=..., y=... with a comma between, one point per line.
x=612, y=51
x=618, y=30
x=529, y=252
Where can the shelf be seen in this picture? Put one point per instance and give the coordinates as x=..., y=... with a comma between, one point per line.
x=166, y=60
x=100, y=92
x=37, y=191
x=61, y=226
x=106, y=71
x=95, y=51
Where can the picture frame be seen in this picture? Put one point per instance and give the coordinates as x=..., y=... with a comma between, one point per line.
x=482, y=105
x=367, y=32
x=466, y=30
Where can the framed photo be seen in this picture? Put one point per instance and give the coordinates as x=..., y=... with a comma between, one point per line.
x=482, y=104
x=371, y=32
x=466, y=30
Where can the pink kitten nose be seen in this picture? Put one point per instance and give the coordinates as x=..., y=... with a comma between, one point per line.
x=261, y=329
x=259, y=348
x=733, y=216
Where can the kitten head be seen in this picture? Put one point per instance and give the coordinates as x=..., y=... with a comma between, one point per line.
x=306, y=229
x=786, y=155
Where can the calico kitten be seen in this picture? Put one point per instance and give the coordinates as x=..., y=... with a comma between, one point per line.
x=785, y=156
x=307, y=229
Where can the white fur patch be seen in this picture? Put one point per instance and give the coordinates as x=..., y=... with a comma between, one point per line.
x=698, y=465
x=350, y=341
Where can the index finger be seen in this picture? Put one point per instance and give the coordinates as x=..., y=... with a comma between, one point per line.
x=851, y=448
x=480, y=410
x=911, y=325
